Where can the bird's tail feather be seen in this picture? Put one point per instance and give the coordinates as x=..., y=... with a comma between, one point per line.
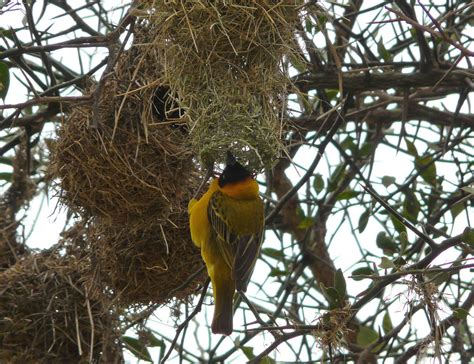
x=223, y=310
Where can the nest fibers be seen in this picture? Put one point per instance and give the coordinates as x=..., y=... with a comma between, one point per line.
x=143, y=262
x=223, y=60
x=131, y=177
x=21, y=190
x=46, y=315
x=114, y=173
x=119, y=157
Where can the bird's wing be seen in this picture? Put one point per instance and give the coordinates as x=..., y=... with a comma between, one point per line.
x=238, y=227
x=247, y=251
x=191, y=204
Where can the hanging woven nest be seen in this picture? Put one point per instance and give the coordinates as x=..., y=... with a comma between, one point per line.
x=128, y=153
x=224, y=61
x=114, y=173
x=144, y=262
x=47, y=314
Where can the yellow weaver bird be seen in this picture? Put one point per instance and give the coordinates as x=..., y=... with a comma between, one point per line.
x=227, y=224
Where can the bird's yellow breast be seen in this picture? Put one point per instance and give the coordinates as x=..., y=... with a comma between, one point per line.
x=245, y=211
x=198, y=220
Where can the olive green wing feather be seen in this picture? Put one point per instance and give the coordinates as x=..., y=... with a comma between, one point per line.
x=238, y=228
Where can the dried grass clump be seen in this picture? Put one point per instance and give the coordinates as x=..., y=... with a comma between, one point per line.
x=334, y=329
x=224, y=62
x=114, y=172
x=47, y=316
x=123, y=156
x=125, y=165
x=145, y=262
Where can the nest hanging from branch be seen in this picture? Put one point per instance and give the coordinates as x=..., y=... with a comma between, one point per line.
x=47, y=315
x=117, y=172
x=144, y=262
x=127, y=154
x=224, y=61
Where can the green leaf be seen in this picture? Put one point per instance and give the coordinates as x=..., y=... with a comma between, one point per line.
x=384, y=53
x=322, y=20
x=348, y=144
x=336, y=177
x=427, y=168
x=399, y=262
x=411, y=206
x=332, y=296
x=386, y=263
x=6, y=160
x=363, y=271
x=365, y=150
x=403, y=242
x=332, y=93
x=366, y=336
x=6, y=176
x=300, y=213
x=248, y=352
x=388, y=180
x=7, y=33
x=437, y=278
x=340, y=284
x=347, y=195
x=136, y=347
x=411, y=148
x=298, y=63
x=397, y=224
x=4, y=79
x=460, y=313
x=386, y=243
x=387, y=325
x=276, y=272
x=318, y=183
x=306, y=223
x=152, y=340
x=363, y=220
x=468, y=236
x=267, y=360
x=309, y=25
x=456, y=209
x=273, y=253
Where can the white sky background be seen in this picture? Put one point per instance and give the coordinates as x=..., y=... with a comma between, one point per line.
x=44, y=221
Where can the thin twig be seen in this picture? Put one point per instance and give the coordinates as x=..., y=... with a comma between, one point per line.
x=188, y=319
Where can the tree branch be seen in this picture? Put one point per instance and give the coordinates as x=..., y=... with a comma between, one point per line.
x=358, y=82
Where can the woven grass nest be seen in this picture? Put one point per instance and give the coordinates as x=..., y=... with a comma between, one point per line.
x=131, y=178
x=143, y=262
x=47, y=316
x=123, y=156
x=224, y=61
x=121, y=175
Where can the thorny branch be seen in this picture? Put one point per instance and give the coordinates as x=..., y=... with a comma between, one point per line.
x=401, y=73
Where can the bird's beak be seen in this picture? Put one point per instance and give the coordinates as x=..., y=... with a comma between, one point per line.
x=230, y=159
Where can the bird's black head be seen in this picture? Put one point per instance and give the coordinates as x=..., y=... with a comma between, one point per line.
x=233, y=172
